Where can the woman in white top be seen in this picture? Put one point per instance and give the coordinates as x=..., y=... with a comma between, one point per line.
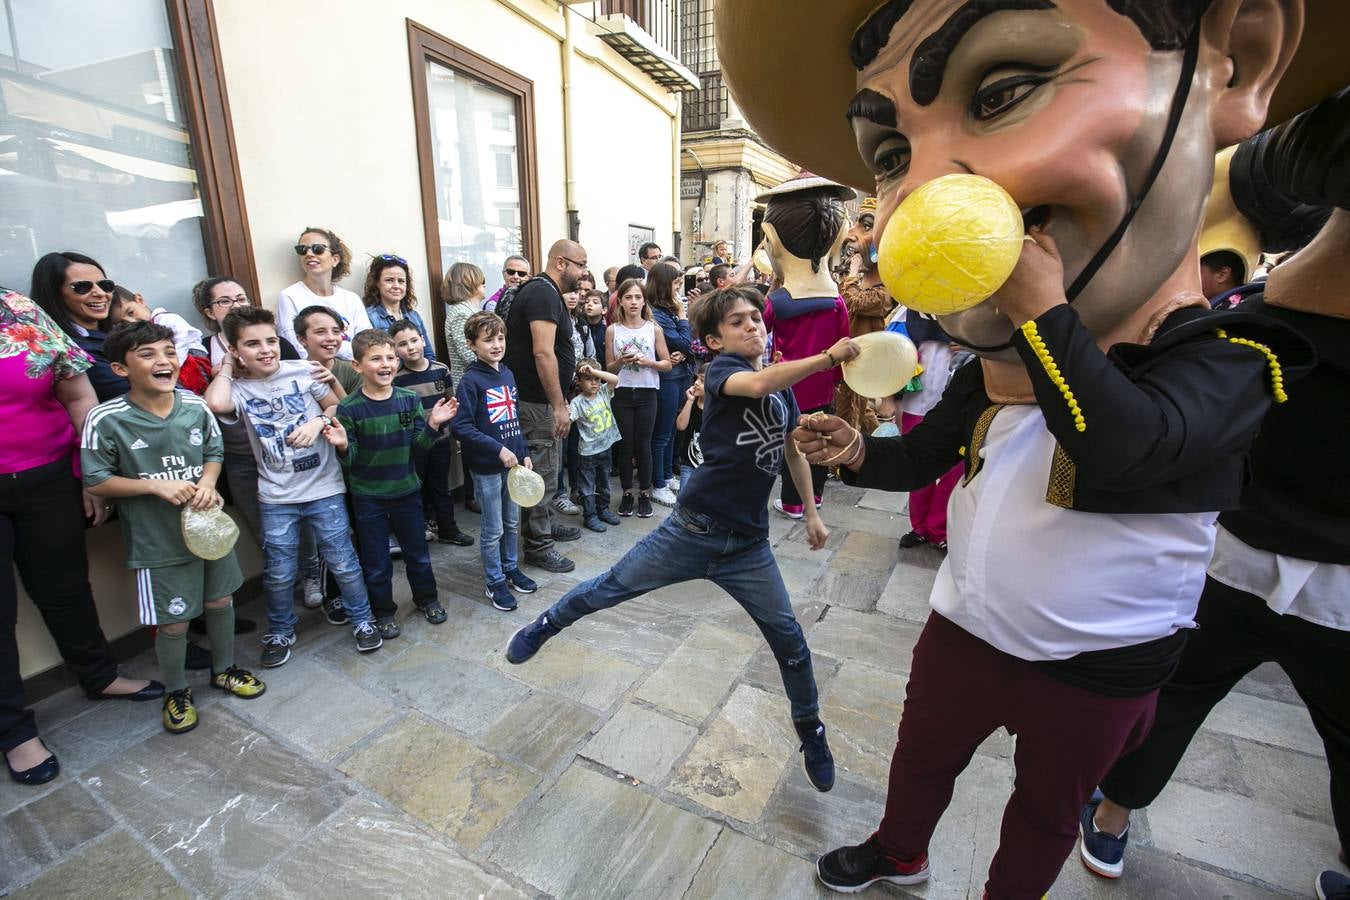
x=637, y=354
x=324, y=259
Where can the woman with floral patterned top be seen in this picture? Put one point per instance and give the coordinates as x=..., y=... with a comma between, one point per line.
x=45, y=395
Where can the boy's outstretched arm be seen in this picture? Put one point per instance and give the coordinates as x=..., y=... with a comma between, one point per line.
x=785, y=374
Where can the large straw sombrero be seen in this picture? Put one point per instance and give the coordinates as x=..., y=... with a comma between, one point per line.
x=794, y=91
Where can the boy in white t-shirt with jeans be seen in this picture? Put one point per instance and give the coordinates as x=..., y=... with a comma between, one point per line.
x=299, y=477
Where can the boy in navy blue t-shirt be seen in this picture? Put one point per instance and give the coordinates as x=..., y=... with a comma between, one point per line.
x=719, y=528
x=492, y=443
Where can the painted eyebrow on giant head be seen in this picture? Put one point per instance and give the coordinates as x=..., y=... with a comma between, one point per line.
x=928, y=65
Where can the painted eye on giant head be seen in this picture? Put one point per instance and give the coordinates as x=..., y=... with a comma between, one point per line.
x=994, y=99
x=891, y=158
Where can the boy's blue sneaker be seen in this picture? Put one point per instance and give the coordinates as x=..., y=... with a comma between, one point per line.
x=816, y=756
x=1102, y=853
x=1332, y=886
x=501, y=596
x=607, y=515
x=527, y=641
x=521, y=582
x=594, y=524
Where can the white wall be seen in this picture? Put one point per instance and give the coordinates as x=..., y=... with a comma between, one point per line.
x=322, y=109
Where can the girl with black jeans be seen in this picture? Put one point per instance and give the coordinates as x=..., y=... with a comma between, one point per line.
x=637, y=352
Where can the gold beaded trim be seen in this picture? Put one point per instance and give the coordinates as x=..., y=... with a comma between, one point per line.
x=1063, y=476
x=973, y=459
x=1048, y=363
x=1276, y=373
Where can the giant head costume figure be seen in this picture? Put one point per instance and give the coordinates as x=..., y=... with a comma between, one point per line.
x=804, y=226
x=1100, y=118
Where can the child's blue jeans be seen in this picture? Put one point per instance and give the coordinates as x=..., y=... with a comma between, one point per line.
x=689, y=545
x=281, y=527
x=593, y=481
x=499, y=527
x=376, y=519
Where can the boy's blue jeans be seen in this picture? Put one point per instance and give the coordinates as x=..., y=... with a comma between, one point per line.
x=281, y=526
x=686, y=546
x=499, y=527
x=593, y=481
x=376, y=519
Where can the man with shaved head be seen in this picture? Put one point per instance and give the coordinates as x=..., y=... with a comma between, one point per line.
x=539, y=353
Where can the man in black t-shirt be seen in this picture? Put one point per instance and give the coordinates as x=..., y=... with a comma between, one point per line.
x=539, y=353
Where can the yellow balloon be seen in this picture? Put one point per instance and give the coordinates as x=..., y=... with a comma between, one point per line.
x=950, y=245
x=525, y=486
x=885, y=363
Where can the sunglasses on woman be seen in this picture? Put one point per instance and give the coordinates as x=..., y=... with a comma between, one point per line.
x=316, y=249
x=106, y=285
x=389, y=257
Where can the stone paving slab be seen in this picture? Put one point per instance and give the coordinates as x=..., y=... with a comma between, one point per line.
x=461, y=694
x=541, y=731
x=441, y=779
x=599, y=837
x=640, y=742
x=735, y=766
x=44, y=830
x=738, y=867
x=116, y=867
x=219, y=805
x=698, y=674
x=363, y=846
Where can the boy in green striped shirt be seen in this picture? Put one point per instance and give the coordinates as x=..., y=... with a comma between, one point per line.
x=377, y=432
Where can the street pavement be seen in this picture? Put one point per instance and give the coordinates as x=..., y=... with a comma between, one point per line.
x=646, y=752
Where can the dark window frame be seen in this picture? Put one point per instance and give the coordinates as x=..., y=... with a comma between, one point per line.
x=206, y=106
x=425, y=45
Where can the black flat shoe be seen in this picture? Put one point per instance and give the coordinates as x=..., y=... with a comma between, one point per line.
x=197, y=657
x=152, y=691
x=241, y=626
x=456, y=537
x=42, y=773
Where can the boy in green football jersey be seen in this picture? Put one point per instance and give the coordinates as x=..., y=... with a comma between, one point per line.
x=153, y=451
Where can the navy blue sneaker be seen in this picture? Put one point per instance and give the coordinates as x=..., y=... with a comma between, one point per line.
x=501, y=596
x=527, y=641
x=816, y=756
x=521, y=582
x=1102, y=853
x=1332, y=886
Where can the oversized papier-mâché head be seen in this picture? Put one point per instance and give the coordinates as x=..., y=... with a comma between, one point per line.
x=1100, y=119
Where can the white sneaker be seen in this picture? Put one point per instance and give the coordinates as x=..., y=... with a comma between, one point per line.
x=673, y=485
x=313, y=592
x=663, y=496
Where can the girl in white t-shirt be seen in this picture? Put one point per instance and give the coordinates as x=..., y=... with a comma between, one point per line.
x=324, y=259
x=637, y=352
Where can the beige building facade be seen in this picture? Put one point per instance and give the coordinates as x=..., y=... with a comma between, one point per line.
x=213, y=131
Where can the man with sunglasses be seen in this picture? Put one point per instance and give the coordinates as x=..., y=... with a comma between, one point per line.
x=540, y=354
x=515, y=271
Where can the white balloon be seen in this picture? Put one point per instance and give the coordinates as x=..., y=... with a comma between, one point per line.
x=208, y=533
x=885, y=363
x=525, y=486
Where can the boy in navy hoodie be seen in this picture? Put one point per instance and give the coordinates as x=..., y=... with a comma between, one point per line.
x=488, y=428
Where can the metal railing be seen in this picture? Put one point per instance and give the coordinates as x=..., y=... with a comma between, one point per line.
x=705, y=108
x=659, y=18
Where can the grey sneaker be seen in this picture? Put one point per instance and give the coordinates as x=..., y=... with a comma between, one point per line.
x=552, y=561
x=313, y=591
x=334, y=611
x=367, y=637
x=276, y=649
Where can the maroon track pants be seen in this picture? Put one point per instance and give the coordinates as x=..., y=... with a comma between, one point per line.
x=962, y=689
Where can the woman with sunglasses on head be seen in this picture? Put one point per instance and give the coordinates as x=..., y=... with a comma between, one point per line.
x=389, y=297
x=75, y=292
x=45, y=396
x=324, y=259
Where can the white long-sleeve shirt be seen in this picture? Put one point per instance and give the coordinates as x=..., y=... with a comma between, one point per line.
x=343, y=302
x=1041, y=582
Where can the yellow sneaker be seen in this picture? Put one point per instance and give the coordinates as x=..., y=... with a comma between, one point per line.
x=179, y=714
x=239, y=682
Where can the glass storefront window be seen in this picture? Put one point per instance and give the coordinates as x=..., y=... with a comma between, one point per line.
x=95, y=154
x=476, y=161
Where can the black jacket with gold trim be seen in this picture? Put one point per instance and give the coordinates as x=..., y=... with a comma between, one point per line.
x=1163, y=427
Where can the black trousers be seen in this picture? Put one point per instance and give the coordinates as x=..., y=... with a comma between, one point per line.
x=635, y=412
x=433, y=467
x=1237, y=633
x=42, y=536
x=788, y=491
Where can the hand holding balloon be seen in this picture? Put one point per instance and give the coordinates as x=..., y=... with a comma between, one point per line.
x=1037, y=283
